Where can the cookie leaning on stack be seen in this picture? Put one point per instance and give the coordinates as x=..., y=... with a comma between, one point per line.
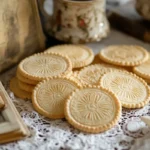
x=50, y=95
x=132, y=91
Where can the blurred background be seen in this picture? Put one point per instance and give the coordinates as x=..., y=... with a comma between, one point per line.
x=25, y=26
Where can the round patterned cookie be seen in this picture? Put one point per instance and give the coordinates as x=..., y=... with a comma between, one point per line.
x=92, y=109
x=90, y=75
x=25, y=86
x=45, y=65
x=49, y=96
x=14, y=87
x=132, y=91
x=143, y=70
x=79, y=55
x=124, y=55
x=25, y=79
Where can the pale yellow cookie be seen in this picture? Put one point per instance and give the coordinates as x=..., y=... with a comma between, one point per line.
x=124, y=55
x=49, y=96
x=25, y=86
x=45, y=65
x=143, y=70
x=25, y=79
x=74, y=76
x=92, y=109
x=2, y=104
x=14, y=87
x=132, y=91
x=79, y=55
x=90, y=75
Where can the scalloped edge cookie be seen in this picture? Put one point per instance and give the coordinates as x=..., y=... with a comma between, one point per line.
x=40, y=78
x=25, y=79
x=26, y=87
x=74, y=76
x=14, y=87
x=38, y=107
x=78, y=63
x=140, y=73
x=123, y=63
x=127, y=105
x=88, y=128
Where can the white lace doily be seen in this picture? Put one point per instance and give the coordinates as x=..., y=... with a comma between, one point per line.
x=49, y=134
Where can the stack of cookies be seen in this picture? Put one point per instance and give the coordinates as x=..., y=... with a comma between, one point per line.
x=62, y=83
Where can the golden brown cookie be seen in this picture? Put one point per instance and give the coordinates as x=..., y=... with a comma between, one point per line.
x=97, y=60
x=90, y=75
x=25, y=79
x=14, y=87
x=49, y=96
x=45, y=65
x=25, y=86
x=147, y=80
x=79, y=55
x=2, y=104
x=132, y=91
x=143, y=70
x=92, y=109
x=124, y=55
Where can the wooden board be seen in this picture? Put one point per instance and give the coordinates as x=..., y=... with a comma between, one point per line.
x=11, y=125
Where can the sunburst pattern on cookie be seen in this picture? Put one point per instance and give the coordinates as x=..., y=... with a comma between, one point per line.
x=130, y=90
x=93, y=108
x=124, y=55
x=78, y=54
x=50, y=96
x=45, y=66
x=91, y=74
x=42, y=66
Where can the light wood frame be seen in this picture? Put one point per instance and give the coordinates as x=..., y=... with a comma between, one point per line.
x=12, y=128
